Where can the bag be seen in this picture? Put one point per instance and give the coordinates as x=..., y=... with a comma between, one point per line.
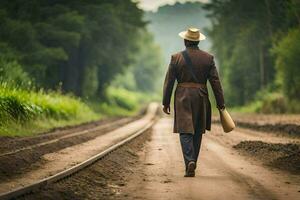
x=226, y=120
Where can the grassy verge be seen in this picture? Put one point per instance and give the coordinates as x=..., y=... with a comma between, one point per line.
x=121, y=102
x=26, y=112
x=270, y=103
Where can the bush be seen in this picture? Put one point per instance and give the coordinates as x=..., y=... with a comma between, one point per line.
x=274, y=103
x=122, y=102
x=13, y=73
x=14, y=109
x=287, y=54
x=123, y=98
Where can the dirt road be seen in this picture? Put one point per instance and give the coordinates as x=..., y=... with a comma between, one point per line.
x=222, y=172
x=151, y=168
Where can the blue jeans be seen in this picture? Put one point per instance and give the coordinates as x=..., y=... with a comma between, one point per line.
x=190, y=145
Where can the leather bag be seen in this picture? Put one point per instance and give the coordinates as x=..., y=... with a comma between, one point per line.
x=226, y=120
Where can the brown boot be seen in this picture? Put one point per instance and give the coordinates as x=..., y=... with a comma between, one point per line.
x=190, y=171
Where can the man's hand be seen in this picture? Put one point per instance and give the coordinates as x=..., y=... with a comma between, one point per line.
x=166, y=109
x=221, y=107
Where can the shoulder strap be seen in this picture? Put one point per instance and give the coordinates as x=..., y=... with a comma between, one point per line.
x=189, y=63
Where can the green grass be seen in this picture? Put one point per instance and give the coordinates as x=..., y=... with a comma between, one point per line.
x=270, y=103
x=121, y=102
x=26, y=112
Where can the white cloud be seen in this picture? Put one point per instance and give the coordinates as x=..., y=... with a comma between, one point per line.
x=154, y=4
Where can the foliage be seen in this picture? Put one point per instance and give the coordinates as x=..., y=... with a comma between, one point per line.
x=125, y=80
x=122, y=98
x=244, y=34
x=24, y=105
x=144, y=74
x=27, y=112
x=72, y=44
x=11, y=72
x=268, y=102
x=122, y=102
x=74, y=48
x=287, y=53
x=148, y=64
x=19, y=107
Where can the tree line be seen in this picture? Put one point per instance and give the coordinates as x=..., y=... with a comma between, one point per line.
x=79, y=46
x=257, y=46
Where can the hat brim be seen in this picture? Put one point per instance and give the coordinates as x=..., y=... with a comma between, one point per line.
x=183, y=35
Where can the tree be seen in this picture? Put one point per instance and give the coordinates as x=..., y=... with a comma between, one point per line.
x=148, y=64
x=287, y=53
x=144, y=74
x=60, y=42
x=242, y=34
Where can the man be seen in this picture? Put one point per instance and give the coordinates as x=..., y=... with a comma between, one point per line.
x=191, y=68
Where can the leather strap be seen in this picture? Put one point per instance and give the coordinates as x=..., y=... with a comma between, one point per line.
x=189, y=64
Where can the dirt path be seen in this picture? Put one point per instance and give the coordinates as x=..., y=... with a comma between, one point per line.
x=221, y=174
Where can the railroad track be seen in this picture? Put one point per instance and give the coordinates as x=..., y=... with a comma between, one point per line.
x=37, y=185
x=116, y=123
x=22, y=156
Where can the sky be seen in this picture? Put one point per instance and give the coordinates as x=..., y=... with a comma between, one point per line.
x=154, y=4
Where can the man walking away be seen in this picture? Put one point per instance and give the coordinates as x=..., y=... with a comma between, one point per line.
x=191, y=68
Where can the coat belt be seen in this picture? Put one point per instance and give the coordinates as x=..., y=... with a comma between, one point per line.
x=191, y=85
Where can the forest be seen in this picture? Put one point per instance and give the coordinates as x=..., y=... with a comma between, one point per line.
x=257, y=47
x=54, y=54
x=65, y=62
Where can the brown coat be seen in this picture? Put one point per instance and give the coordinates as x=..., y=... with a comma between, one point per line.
x=191, y=105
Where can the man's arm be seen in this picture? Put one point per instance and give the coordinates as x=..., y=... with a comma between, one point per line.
x=168, y=86
x=215, y=83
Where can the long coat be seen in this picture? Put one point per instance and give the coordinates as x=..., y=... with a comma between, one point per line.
x=191, y=105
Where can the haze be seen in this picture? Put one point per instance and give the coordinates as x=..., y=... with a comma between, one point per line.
x=152, y=5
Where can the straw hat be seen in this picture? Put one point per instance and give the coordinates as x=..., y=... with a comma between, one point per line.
x=192, y=34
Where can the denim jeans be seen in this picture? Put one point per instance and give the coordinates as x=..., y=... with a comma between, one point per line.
x=190, y=145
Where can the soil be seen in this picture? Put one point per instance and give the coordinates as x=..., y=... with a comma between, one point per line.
x=282, y=156
x=103, y=180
